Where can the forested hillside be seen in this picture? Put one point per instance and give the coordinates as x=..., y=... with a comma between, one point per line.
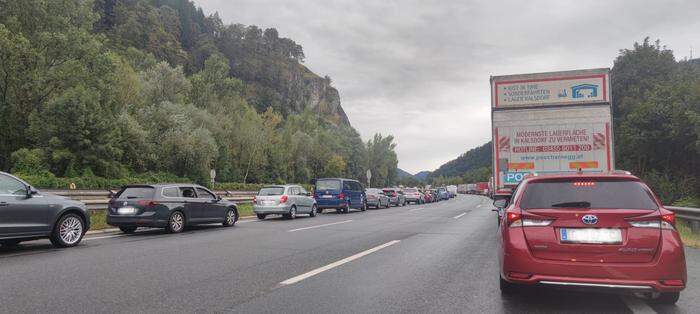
x=157, y=89
x=656, y=112
x=472, y=166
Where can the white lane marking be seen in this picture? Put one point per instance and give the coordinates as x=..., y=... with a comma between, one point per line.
x=459, y=216
x=415, y=209
x=330, y=266
x=637, y=305
x=319, y=226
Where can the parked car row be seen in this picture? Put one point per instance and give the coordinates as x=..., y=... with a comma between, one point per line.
x=28, y=214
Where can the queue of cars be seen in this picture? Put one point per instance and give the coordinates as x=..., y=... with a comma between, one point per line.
x=28, y=214
x=339, y=194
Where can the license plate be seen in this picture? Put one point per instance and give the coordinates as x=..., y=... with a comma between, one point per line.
x=268, y=203
x=591, y=235
x=126, y=211
x=326, y=196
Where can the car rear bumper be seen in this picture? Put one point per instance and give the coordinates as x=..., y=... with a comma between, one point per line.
x=284, y=209
x=148, y=219
x=371, y=202
x=518, y=265
x=412, y=199
x=330, y=203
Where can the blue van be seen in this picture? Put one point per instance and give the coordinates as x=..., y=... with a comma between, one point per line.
x=339, y=194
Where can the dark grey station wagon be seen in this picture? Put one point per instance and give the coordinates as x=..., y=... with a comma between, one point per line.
x=169, y=206
x=27, y=214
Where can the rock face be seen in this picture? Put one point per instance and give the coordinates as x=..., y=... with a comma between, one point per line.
x=290, y=88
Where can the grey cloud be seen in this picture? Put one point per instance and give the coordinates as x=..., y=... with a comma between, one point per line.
x=422, y=67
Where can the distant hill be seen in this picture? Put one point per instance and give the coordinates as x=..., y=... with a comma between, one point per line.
x=473, y=159
x=422, y=176
x=400, y=173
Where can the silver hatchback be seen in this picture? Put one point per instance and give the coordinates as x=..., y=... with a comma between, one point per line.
x=285, y=200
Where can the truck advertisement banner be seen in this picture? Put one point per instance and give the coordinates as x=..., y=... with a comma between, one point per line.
x=567, y=89
x=551, y=148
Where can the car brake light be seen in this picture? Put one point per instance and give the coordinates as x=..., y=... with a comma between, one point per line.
x=147, y=203
x=341, y=196
x=255, y=199
x=668, y=221
x=284, y=198
x=584, y=183
x=514, y=219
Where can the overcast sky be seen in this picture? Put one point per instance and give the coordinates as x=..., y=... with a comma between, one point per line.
x=419, y=70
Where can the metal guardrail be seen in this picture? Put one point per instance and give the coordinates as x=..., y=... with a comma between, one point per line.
x=98, y=199
x=692, y=215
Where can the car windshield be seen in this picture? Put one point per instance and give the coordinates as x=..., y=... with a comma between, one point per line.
x=323, y=185
x=587, y=194
x=277, y=190
x=136, y=192
x=410, y=191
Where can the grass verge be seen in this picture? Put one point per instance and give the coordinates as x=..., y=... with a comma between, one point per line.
x=245, y=210
x=98, y=218
x=689, y=239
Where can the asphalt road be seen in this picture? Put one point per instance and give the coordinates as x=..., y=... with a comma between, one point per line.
x=434, y=258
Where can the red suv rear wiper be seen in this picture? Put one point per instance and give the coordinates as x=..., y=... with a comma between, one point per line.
x=579, y=204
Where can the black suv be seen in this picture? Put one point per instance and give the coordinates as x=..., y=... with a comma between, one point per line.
x=27, y=214
x=169, y=206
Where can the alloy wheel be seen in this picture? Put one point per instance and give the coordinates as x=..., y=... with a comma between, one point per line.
x=70, y=230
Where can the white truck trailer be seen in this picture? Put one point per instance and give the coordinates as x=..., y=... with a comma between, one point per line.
x=550, y=123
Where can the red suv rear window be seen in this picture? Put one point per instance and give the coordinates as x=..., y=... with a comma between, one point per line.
x=613, y=194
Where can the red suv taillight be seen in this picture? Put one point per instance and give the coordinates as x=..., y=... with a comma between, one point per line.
x=341, y=196
x=255, y=199
x=284, y=199
x=517, y=220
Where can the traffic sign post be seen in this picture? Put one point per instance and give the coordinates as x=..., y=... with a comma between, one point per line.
x=369, y=178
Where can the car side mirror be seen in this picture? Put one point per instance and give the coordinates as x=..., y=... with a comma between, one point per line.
x=31, y=191
x=500, y=203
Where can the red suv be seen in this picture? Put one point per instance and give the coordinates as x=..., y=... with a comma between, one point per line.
x=590, y=231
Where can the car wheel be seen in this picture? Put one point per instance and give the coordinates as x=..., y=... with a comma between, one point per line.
x=313, y=211
x=176, y=222
x=292, y=213
x=364, y=205
x=69, y=230
x=668, y=298
x=346, y=209
x=261, y=216
x=230, y=218
x=128, y=229
x=506, y=287
x=9, y=243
